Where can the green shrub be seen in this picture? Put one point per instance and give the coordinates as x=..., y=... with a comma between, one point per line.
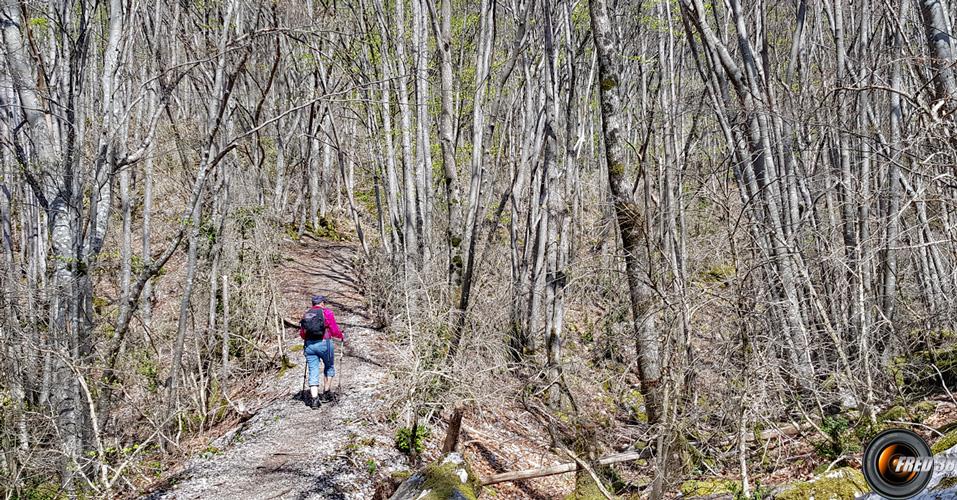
x=405, y=443
x=49, y=490
x=327, y=229
x=840, y=438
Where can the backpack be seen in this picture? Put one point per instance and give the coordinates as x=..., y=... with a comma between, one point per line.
x=314, y=323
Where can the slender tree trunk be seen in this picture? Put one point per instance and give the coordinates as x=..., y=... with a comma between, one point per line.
x=410, y=228
x=555, y=276
x=221, y=89
x=892, y=212
x=940, y=46
x=391, y=178
x=422, y=126
x=443, y=27
x=627, y=211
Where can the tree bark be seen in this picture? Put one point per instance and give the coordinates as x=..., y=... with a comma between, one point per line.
x=627, y=211
x=410, y=228
x=555, y=274
x=940, y=45
x=442, y=29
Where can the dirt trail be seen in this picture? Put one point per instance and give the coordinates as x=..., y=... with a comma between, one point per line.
x=288, y=450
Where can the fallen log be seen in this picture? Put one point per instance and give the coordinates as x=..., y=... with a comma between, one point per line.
x=561, y=468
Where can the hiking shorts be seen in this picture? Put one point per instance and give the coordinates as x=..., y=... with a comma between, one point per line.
x=319, y=350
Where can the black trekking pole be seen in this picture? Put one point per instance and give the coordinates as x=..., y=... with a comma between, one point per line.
x=342, y=358
x=305, y=376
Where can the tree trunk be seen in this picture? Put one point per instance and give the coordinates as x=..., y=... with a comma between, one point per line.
x=891, y=214
x=627, y=211
x=410, y=228
x=422, y=126
x=554, y=186
x=939, y=44
x=447, y=142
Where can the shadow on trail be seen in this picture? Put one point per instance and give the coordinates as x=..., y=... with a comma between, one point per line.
x=366, y=360
x=336, y=277
x=327, y=485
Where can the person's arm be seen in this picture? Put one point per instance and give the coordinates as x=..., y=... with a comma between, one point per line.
x=334, y=331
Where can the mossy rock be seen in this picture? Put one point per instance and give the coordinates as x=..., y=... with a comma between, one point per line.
x=634, y=403
x=917, y=412
x=946, y=442
x=449, y=478
x=891, y=417
x=705, y=487
x=841, y=484
x=401, y=475
x=922, y=410
x=896, y=412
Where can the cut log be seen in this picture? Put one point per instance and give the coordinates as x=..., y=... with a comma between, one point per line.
x=560, y=469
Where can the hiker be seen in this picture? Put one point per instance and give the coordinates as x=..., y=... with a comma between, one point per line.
x=317, y=328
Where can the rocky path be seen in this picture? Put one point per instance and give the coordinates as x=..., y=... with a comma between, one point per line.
x=288, y=450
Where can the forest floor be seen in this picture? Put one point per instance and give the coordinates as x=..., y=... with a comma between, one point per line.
x=287, y=450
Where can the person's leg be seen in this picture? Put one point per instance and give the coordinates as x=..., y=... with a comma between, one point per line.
x=312, y=360
x=329, y=370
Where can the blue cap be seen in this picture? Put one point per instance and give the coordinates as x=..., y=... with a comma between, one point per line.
x=318, y=299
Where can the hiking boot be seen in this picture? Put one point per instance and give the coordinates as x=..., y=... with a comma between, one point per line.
x=315, y=403
x=327, y=396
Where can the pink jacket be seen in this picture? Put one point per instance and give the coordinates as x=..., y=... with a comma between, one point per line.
x=332, y=329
